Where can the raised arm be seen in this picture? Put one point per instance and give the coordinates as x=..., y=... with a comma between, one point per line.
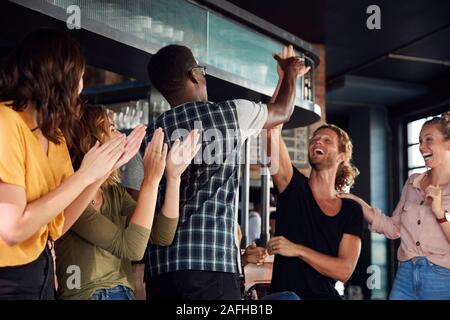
x=280, y=163
x=281, y=106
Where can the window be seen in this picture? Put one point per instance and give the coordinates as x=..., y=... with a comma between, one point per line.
x=416, y=163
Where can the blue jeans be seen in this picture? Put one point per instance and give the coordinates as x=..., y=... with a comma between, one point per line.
x=419, y=279
x=116, y=293
x=285, y=295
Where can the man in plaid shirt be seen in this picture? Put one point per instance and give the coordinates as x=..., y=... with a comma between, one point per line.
x=203, y=262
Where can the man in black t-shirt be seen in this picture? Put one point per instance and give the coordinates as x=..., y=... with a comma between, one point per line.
x=318, y=235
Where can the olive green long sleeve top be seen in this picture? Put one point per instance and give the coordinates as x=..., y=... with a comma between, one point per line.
x=96, y=253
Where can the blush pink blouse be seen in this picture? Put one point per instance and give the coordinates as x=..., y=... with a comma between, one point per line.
x=416, y=225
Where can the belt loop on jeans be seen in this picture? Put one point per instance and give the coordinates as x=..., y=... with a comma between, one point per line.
x=418, y=259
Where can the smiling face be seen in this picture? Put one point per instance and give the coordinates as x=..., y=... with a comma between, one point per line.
x=433, y=146
x=323, y=150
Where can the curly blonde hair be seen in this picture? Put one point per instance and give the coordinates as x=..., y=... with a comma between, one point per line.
x=347, y=172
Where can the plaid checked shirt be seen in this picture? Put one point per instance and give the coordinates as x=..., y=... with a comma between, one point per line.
x=205, y=238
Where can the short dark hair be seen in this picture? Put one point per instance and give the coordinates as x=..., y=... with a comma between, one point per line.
x=168, y=68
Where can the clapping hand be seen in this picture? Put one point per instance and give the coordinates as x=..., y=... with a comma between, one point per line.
x=100, y=160
x=132, y=145
x=155, y=158
x=181, y=154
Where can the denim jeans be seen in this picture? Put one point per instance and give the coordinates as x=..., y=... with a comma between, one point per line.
x=419, y=279
x=116, y=293
x=285, y=295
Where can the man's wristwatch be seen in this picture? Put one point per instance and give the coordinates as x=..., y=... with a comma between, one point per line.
x=446, y=217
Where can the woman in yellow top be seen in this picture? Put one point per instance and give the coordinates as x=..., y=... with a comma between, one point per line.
x=40, y=196
x=114, y=230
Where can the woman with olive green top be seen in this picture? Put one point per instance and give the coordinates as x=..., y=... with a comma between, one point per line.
x=103, y=244
x=94, y=257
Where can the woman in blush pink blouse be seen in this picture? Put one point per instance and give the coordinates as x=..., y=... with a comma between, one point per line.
x=422, y=220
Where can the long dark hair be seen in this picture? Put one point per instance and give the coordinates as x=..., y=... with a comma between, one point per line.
x=45, y=68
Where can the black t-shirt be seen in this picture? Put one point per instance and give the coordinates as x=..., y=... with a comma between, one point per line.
x=300, y=220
